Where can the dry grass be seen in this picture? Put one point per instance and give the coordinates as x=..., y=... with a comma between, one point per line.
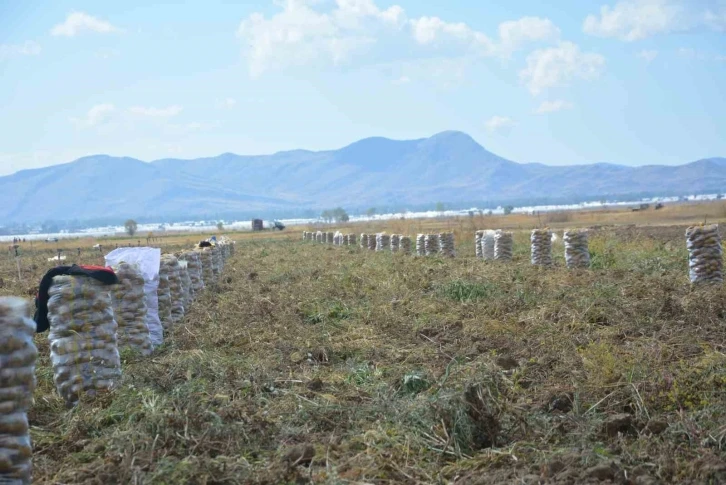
x=367, y=367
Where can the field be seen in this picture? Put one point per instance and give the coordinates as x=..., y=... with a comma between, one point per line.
x=320, y=364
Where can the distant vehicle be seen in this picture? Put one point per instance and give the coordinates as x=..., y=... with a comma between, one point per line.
x=658, y=206
x=51, y=239
x=257, y=224
x=278, y=225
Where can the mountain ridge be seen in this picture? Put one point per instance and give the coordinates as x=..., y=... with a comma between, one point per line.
x=449, y=166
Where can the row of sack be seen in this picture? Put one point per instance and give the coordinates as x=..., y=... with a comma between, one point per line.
x=91, y=312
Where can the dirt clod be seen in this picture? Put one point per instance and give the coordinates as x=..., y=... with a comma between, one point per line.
x=316, y=384
x=507, y=362
x=656, y=426
x=299, y=455
x=618, y=423
x=602, y=472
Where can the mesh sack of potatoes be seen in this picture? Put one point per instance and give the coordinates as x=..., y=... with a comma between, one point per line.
x=421, y=245
x=446, y=244
x=503, y=245
x=163, y=293
x=405, y=245
x=705, y=256
x=351, y=240
x=541, y=247
x=331, y=235
x=17, y=384
x=346, y=239
x=83, y=346
x=372, y=241
x=383, y=241
x=186, y=283
x=487, y=244
x=364, y=240
x=216, y=262
x=207, y=273
x=478, y=235
x=173, y=271
x=577, y=251
x=431, y=244
x=129, y=309
x=395, y=242
x=194, y=267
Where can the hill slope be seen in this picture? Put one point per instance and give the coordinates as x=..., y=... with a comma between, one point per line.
x=448, y=166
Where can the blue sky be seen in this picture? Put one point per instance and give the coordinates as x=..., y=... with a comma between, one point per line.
x=561, y=82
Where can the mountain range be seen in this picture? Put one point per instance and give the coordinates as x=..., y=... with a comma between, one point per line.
x=450, y=167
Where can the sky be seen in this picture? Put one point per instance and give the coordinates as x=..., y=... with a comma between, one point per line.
x=562, y=82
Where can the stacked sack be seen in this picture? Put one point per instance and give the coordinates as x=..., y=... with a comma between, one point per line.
x=163, y=293
x=446, y=244
x=503, y=245
x=383, y=241
x=351, y=239
x=170, y=266
x=83, y=345
x=217, y=262
x=364, y=240
x=705, y=256
x=346, y=239
x=205, y=255
x=186, y=282
x=194, y=267
x=395, y=242
x=372, y=240
x=129, y=309
x=17, y=383
x=577, y=252
x=405, y=245
x=331, y=235
x=319, y=237
x=431, y=244
x=541, y=240
x=421, y=245
x=477, y=244
x=487, y=244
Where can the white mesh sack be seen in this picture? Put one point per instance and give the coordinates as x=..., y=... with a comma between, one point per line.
x=163, y=293
x=477, y=244
x=503, y=245
x=395, y=242
x=383, y=241
x=487, y=244
x=364, y=240
x=421, y=245
x=405, y=245
x=351, y=240
x=372, y=240
x=431, y=244
x=331, y=235
x=446, y=244
x=577, y=252
x=18, y=355
x=194, y=266
x=205, y=255
x=83, y=346
x=186, y=281
x=541, y=246
x=705, y=255
x=129, y=309
x=148, y=261
x=175, y=287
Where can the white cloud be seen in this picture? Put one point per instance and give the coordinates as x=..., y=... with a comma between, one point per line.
x=631, y=20
x=152, y=112
x=301, y=34
x=558, y=66
x=402, y=80
x=553, y=106
x=497, y=123
x=29, y=48
x=77, y=22
x=227, y=103
x=647, y=55
x=515, y=33
x=96, y=116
